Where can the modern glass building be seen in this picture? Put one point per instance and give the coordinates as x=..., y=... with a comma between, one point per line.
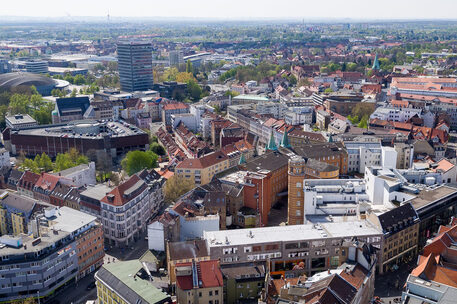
x=135, y=65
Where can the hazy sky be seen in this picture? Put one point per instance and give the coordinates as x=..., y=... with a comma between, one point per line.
x=235, y=9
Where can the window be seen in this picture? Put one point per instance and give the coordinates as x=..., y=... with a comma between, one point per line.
x=216, y=292
x=210, y=293
x=318, y=263
x=291, y=246
x=271, y=247
x=200, y=294
x=297, y=213
x=298, y=185
x=298, y=203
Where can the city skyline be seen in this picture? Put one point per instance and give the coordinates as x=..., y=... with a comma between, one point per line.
x=205, y=9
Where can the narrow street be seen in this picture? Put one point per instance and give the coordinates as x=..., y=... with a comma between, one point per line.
x=77, y=293
x=389, y=286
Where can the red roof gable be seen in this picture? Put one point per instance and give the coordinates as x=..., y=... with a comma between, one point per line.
x=120, y=194
x=174, y=106
x=209, y=274
x=47, y=181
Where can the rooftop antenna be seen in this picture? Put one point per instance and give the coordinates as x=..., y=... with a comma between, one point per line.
x=109, y=24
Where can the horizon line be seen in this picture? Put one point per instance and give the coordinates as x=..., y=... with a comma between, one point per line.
x=253, y=19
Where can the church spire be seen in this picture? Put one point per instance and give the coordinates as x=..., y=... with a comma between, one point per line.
x=242, y=160
x=376, y=65
x=272, y=144
x=285, y=139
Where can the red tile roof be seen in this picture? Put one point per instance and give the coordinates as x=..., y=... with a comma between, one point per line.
x=356, y=276
x=444, y=165
x=174, y=106
x=28, y=180
x=209, y=274
x=47, y=181
x=120, y=193
x=203, y=162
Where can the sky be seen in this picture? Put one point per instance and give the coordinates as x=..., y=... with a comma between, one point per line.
x=235, y=9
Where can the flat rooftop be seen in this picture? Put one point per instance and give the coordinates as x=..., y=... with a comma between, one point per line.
x=86, y=129
x=251, y=97
x=69, y=219
x=64, y=70
x=20, y=119
x=97, y=192
x=65, y=221
x=290, y=233
x=428, y=196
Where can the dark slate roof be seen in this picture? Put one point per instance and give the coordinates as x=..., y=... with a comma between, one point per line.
x=12, y=80
x=19, y=202
x=82, y=103
x=318, y=150
x=232, y=190
x=149, y=175
x=402, y=216
x=320, y=166
x=15, y=175
x=188, y=250
x=269, y=161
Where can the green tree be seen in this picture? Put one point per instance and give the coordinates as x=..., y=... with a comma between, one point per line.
x=195, y=91
x=170, y=74
x=362, y=109
x=328, y=90
x=135, y=161
x=185, y=77
x=69, y=78
x=189, y=68
x=217, y=109
x=79, y=80
x=44, y=162
x=44, y=114
x=19, y=104
x=231, y=93
x=73, y=92
x=69, y=159
x=157, y=149
x=175, y=187
x=363, y=122
x=29, y=165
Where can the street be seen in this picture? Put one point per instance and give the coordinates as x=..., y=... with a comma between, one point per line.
x=389, y=286
x=77, y=293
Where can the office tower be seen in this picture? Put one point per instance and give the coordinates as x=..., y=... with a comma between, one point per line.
x=37, y=66
x=176, y=58
x=5, y=67
x=135, y=65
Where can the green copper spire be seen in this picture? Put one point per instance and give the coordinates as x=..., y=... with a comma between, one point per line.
x=330, y=138
x=272, y=144
x=242, y=160
x=285, y=139
x=376, y=63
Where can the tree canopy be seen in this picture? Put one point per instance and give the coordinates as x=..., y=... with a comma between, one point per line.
x=43, y=163
x=175, y=187
x=135, y=161
x=157, y=148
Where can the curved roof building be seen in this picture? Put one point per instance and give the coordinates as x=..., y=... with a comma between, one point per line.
x=43, y=84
